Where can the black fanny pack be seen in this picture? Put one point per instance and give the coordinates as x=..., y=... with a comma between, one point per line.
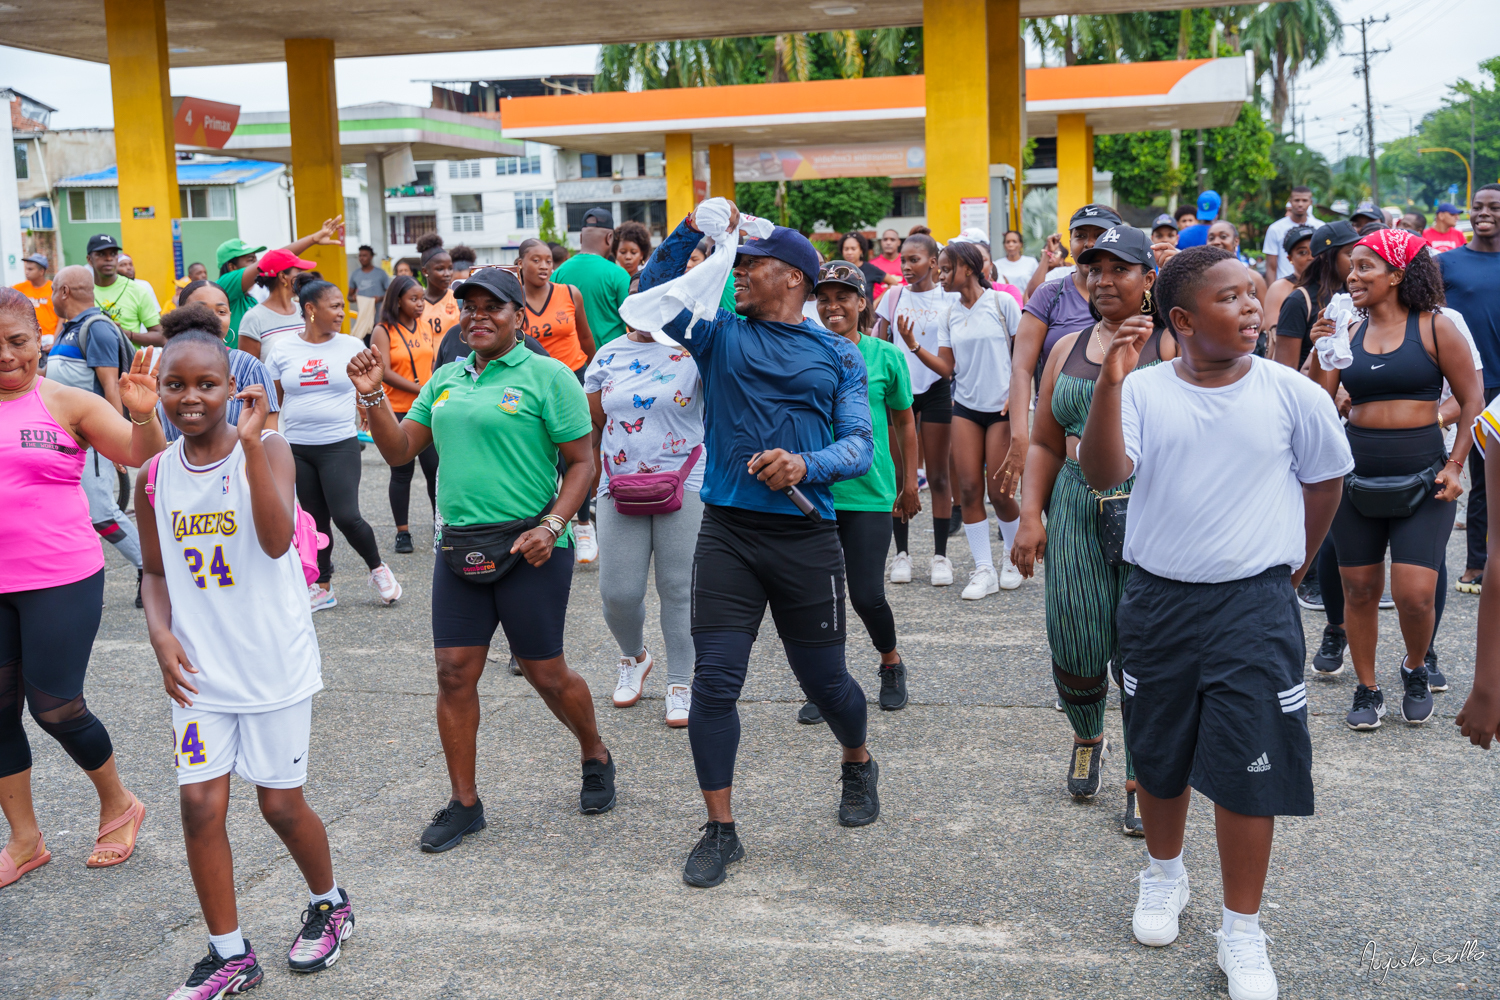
x=480, y=553
x=1392, y=496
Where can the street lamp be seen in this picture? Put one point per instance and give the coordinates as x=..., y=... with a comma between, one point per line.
x=1469, y=190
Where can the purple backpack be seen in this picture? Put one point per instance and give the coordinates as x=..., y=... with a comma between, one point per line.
x=645, y=493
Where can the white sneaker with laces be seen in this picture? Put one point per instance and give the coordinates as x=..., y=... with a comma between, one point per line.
x=321, y=598
x=901, y=568
x=632, y=676
x=942, y=572
x=1242, y=956
x=1010, y=577
x=679, y=703
x=982, y=583
x=1156, y=908
x=588, y=547
x=384, y=582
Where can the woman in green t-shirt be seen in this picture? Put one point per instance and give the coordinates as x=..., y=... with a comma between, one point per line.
x=498, y=418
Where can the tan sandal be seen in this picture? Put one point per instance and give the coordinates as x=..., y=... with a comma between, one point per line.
x=134, y=817
x=12, y=872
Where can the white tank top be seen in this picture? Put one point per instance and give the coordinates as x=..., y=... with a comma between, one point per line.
x=242, y=617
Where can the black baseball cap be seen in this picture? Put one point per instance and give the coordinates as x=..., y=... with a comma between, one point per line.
x=1333, y=235
x=1367, y=210
x=788, y=246
x=841, y=272
x=598, y=218
x=1163, y=220
x=1095, y=215
x=1125, y=242
x=103, y=241
x=1294, y=236
x=496, y=280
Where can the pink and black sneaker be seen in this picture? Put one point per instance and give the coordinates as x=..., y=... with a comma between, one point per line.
x=324, y=928
x=214, y=977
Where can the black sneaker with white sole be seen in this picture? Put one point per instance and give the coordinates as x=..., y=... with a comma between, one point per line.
x=1368, y=710
x=809, y=715
x=859, y=805
x=403, y=541
x=719, y=846
x=451, y=824
x=1130, y=823
x=1329, y=659
x=1436, y=681
x=1416, y=698
x=893, y=686
x=1310, y=595
x=1084, y=767
x=598, y=792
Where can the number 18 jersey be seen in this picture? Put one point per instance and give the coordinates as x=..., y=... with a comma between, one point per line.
x=242, y=617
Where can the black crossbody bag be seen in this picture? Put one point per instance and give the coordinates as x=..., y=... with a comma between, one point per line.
x=480, y=553
x=1392, y=496
x=1111, y=512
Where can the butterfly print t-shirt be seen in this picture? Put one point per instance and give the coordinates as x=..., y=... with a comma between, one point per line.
x=653, y=409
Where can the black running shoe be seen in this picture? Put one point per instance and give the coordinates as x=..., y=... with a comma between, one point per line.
x=860, y=805
x=1329, y=660
x=1368, y=710
x=1083, y=769
x=893, y=686
x=956, y=521
x=1416, y=700
x=1435, y=679
x=809, y=715
x=140, y=575
x=719, y=846
x=1130, y=824
x=403, y=541
x=598, y=794
x=1309, y=594
x=515, y=666
x=451, y=824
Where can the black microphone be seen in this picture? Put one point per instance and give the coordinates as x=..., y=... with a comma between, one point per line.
x=797, y=496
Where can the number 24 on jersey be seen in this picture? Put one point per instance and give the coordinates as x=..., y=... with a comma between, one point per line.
x=217, y=567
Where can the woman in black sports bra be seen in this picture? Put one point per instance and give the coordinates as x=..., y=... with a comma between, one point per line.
x=1402, y=352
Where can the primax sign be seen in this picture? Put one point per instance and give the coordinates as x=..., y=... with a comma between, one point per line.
x=203, y=123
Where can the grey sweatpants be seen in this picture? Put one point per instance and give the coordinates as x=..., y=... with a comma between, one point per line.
x=101, y=483
x=626, y=543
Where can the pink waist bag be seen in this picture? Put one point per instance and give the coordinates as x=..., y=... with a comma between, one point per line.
x=645, y=493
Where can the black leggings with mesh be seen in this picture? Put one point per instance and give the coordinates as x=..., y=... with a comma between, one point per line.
x=45, y=639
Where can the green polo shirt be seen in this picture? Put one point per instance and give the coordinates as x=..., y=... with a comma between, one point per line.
x=497, y=434
x=240, y=302
x=604, y=285
x=890, y=389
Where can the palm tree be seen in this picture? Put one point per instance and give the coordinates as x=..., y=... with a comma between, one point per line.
x=1288, y=38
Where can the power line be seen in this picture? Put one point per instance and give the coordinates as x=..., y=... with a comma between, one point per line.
x=1364, y=24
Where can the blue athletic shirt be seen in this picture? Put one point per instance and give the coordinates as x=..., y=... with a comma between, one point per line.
x=769, y=385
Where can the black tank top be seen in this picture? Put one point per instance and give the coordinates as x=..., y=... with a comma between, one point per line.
x=1078, y=365
x=1408, y=372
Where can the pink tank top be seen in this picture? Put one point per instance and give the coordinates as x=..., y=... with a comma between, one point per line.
x=46, y=538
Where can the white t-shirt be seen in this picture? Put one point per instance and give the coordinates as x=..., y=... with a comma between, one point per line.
x=319, y=403
x=659, y=436
x=926, y=312
x=1275, y=233
x=980, y=340
x=1450, y=436
x=1218, y=472
x=265, y=325
x=1016, y=272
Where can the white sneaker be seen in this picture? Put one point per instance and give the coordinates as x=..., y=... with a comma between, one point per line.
x=1242, y=956
x=942, y=572
x=901, y=568
x=384, y=582
x=321, y=598
x=679, y=703
x=982, y=583
x=1010, y=577
x=1156, y=908
x=632, y=676
x=588, y=548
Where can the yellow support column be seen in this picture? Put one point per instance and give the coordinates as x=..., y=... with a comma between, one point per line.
x=145, y=148
x=680, y=200
x=1075, y=166
x=721, y=170
x=958, y=115
x=1007, y=97
x=317, y=169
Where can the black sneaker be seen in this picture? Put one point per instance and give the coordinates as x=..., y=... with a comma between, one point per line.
x=1083, y=769
x=1130, y=823
x=450, y=825
x=809, y=715
x=1309, y=594
x=956, y=521
x=719, y=846
x=1329, y=660
x=515, y=666
x=1416, y=700
x=893, y=686
x=1435, y=679
x=860, y=805
x=1368, y=710
x=403, y=541
x=140, y=575
x=598, y=794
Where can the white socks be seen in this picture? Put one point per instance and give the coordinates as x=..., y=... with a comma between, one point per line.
x=1008, y=530
x=230, y=945
x=979, y=543
x=331, y=896
x=1250, y=920
x=1172, y=868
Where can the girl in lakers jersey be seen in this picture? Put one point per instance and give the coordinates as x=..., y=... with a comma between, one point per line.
x=227, y=612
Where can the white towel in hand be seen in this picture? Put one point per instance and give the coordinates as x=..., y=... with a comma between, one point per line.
x=1333, y=350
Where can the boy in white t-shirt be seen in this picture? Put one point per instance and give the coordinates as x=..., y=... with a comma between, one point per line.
x=1239, y=466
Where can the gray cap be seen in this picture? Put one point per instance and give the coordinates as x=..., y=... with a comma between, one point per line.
x=39, y=259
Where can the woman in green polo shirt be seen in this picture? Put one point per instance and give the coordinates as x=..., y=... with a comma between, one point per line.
x=498, y=419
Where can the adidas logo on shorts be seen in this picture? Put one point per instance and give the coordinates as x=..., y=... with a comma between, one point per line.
x=1260, y=764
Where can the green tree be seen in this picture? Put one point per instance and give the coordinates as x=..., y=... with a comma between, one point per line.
x=1431, y=174
x=549, y=232
x=840, y=203
x=1288, y=38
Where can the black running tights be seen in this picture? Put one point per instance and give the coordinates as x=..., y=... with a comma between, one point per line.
x=328, y=489
x=401, y=477
x=866, y=536
x=1332, y=585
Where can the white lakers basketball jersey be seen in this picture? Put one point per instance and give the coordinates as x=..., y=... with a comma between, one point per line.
x=242, y=617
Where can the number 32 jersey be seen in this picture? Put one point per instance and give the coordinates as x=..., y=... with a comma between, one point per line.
x=242, y=617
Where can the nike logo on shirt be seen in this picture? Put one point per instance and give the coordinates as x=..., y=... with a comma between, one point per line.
x=298, y=758
x=1373, y=367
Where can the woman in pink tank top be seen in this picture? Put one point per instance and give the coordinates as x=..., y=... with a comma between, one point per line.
x=52, y=578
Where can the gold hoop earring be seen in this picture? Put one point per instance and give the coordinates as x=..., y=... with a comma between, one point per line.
x=1146, y=303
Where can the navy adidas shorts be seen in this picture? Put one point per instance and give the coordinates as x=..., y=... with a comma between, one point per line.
x=1212, y=691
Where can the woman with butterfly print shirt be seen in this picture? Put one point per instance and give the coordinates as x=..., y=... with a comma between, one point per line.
x=646, y=402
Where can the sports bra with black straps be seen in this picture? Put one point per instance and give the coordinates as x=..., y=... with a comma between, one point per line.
x=1408, y=372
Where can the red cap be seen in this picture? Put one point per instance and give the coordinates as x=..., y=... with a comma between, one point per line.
x=276, y=261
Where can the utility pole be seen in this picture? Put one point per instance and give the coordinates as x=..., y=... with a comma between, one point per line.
x=1364, y=24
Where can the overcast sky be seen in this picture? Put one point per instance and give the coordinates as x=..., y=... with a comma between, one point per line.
x=1433, y=43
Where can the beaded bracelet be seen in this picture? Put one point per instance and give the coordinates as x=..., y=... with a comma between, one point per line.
x=371, y=400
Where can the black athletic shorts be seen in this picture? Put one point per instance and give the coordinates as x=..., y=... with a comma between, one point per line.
x=530, y=603
x=746, y=559
x=1420, y=539
x=935, y=403
x=982, y=419
x=1212, y=693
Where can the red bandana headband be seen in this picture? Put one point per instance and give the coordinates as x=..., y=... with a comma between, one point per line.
x=1396, y=247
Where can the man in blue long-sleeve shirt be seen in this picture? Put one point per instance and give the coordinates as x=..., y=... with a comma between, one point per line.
x=784, y=404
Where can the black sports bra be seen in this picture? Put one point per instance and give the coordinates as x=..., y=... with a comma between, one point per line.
x=1078, y=365
x=1408, y=372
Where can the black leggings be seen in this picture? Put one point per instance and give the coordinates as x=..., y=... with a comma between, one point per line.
x=328, y=488
x=401, y=476
x=866, y=536
x=1420, y=539
x=45, y=639
x=1332, y=585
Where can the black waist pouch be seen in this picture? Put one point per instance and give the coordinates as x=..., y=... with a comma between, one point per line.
x=480, y=553
x=1392, y=496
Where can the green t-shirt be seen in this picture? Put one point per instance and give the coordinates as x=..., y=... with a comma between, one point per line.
x=497, y=435
x=890, y=388
x=604, y=285
x=240, y=302
x=127, y=302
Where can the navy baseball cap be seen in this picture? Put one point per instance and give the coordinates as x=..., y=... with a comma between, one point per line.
x=1208, y=206
x=841, y=272
x=788, y=246
x=1163, y=220
x=598, y=218
x=1367, y=210
x=1125, y=242
x=1450, y=208
x=1294, y=236
x=1094, y=215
